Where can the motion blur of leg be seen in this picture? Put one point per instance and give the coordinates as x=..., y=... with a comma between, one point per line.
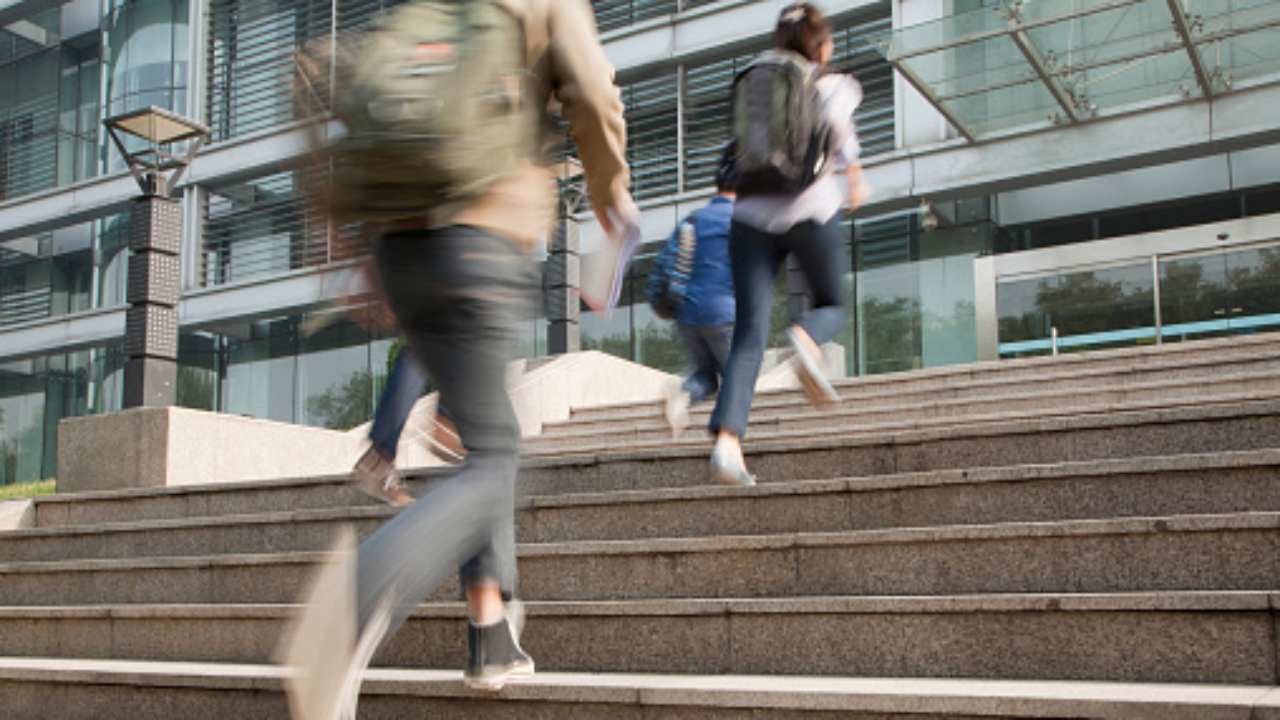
x=819, y=249
x=457, y=293
x=707, y=347
x=375, y=471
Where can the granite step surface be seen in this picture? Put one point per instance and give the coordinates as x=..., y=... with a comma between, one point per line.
x=1189, y=361
x=1239, y=551
x=860, y=416
x=132, y=690
x=1172, y=485
x=1202, y=637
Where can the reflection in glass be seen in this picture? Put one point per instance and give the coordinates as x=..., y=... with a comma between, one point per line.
x=1223, y=293
x=68, y=270
x=1091, y=309
x=36, y=394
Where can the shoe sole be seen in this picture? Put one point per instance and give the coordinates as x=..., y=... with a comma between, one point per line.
x=820, y=397
x=380, y=496
x=494, y=683
x=724, y=477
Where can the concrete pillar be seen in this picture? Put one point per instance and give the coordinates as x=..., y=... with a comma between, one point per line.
x=151, y=320
x=560, y=285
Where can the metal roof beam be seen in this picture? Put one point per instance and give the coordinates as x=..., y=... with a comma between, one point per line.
x=1040, y=65
x=1183, y=26
x=923, y=88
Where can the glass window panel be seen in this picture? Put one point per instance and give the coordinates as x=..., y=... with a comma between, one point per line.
x=610, y=334
x=1016, y=107
x=923, y=37
x=1155, y=77
x=1107, y=307
x=261, y=372
x=615, y=14
x=1194, y=297
x=335, y=385
x=198, y=368
x=261, y=227
x=22, y=434
x=652, y=135
x=36, y=394
x=888, y=319
x=1243, y=46
x=1126, y=32
x=966, y=69
x=1253, y=277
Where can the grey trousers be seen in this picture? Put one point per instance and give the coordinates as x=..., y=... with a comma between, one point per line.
x=457, y=293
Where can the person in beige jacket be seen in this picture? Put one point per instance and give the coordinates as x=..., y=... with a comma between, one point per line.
x=455, y=280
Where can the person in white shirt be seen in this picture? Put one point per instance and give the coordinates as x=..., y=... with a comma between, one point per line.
x=768, y=228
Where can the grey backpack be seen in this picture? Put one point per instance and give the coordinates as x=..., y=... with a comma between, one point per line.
x=436, y=104
x=779, y=125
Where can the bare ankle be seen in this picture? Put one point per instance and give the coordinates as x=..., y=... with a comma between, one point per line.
x=484, y=603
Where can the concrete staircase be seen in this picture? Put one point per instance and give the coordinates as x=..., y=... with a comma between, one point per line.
x=1093, y=536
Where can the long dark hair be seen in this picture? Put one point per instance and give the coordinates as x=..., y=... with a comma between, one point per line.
x=802, y=28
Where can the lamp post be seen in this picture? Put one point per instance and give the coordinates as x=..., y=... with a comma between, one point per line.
x=151, y=321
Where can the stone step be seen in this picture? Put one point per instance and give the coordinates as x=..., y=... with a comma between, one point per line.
x=906, y=391
x=1174, y=485
x=41, y=688
x=851, y=424
x=1173, y=361
x=918, y=409
x=1103, y=433
x=1207, y=429
x=1202, y=637
x=1196, y=552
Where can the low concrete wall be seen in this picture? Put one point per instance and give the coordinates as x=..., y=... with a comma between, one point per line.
x=580, y=380
x=17, y=514
x=153, y=447
x=543, y=390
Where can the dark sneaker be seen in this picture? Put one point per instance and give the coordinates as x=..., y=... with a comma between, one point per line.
x=496, y=656
x=376, y=477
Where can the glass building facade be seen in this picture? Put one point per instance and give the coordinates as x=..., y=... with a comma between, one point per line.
x=914, y=276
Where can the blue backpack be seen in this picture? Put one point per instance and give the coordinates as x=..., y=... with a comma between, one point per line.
x=669, y=278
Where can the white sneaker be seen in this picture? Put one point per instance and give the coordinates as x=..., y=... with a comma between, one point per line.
x=813, y=380
x=727, y=467
x=677, y=407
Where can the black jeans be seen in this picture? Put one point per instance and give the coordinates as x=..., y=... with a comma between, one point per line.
x=756, y=257
x=457, y=293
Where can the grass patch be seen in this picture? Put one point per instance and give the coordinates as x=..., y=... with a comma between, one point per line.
x=22, y=491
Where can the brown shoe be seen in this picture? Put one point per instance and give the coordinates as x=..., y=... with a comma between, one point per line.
x=375, y=476
x=444, y=443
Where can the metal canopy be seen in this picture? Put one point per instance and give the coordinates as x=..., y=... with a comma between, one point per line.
x=1020, y=65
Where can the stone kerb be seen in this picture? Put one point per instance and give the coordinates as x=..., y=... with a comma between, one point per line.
x=170, y=446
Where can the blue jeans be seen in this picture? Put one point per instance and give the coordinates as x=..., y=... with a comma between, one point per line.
x=756, y=256
x=708, y=350
x=404, y=387
x=457, y=293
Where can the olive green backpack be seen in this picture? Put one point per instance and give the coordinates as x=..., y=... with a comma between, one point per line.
x=436, y=106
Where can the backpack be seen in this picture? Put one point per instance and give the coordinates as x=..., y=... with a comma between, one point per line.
x=436, y=105
x=779, y=125
x=669, y=278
